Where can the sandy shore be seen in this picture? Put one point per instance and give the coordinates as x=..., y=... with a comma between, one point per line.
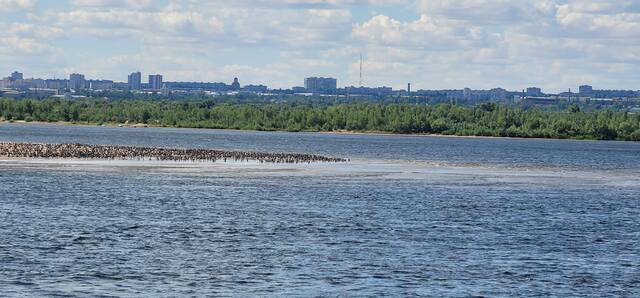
x=434, y=172
x=68, y=123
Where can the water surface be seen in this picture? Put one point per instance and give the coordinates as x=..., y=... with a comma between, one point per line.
x=409, y=215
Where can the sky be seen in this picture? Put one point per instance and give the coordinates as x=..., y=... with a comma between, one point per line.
x=433, y=44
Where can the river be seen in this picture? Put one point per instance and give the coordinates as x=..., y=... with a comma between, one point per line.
x=407, y=216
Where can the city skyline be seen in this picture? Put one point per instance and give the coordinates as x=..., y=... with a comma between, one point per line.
x=551, y=44
x=77, y=81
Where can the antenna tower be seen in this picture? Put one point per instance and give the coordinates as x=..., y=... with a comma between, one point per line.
x=360, y=69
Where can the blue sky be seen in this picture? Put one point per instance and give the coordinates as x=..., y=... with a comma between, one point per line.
x=434, y=44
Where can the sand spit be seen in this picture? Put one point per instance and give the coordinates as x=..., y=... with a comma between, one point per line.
x=82, y=151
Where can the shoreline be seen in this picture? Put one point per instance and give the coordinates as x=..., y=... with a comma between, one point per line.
x=336, y=132
x=361, y=169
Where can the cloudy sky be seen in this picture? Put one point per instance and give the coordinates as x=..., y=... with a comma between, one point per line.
x=434, y=44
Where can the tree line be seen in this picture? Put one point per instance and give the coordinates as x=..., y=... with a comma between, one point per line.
x=488, y=119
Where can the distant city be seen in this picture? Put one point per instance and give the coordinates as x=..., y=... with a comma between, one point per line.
x=17, y=86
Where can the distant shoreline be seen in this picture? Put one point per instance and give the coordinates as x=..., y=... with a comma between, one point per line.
x=336, y=132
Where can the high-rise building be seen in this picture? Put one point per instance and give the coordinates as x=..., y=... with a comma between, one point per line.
x=155, y=82
x=586, y=90
x=101, y=84
x=16, y=76
x=235, y=86
x=534, y=91
x=77, y=81
x=498, y=94
x=26, y=84
x=467, y=93
x=5, y=83
x=256, y=88
x=314, y=84
x=57, y=84
x=135, y=81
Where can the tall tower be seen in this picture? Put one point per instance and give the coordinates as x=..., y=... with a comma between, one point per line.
x=360, y=69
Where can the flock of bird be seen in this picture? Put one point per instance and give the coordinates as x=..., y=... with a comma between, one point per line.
x=82, y=151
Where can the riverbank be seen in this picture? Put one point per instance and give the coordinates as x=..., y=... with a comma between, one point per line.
x=334, y=132
x=137, y=125
x=490, y=119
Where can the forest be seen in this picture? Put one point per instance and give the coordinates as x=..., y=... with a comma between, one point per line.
x=487, y=119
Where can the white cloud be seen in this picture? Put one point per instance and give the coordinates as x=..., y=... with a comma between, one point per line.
x=32, y=30
x=426, y=33
x=136, y=4
x=594, y=21
x=480, y=41
x=439, y=44
x=489, y=11
x=16, y=46
x=27, y=40
x=12, y=5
